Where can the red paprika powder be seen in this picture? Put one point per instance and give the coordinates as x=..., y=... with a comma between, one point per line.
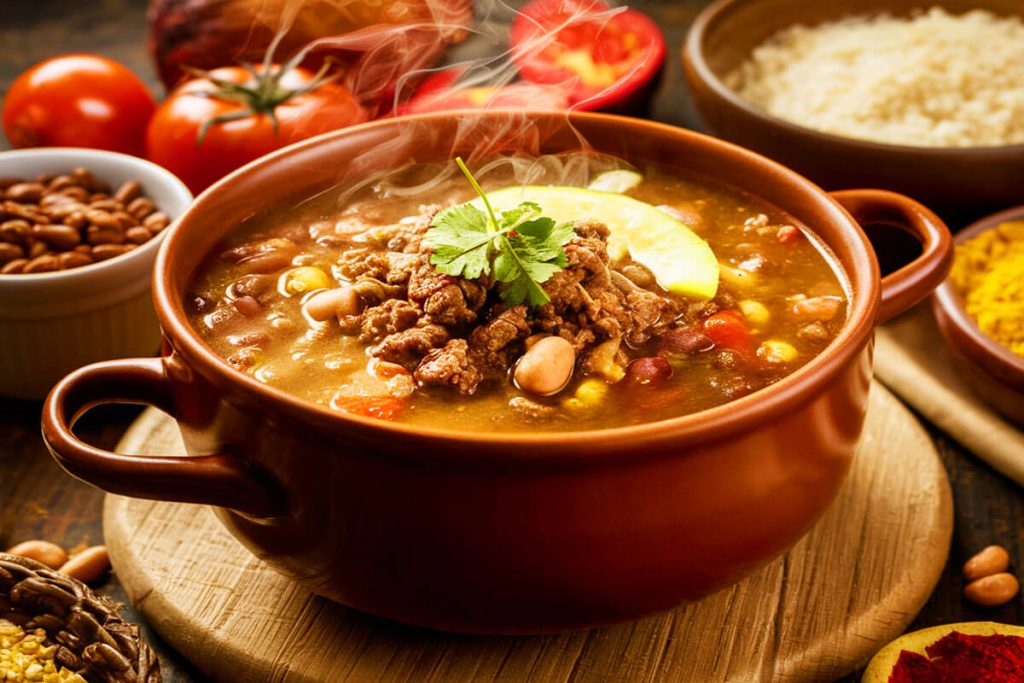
x=961, y=658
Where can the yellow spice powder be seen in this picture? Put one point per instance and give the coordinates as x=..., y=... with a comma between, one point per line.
x=989, y=272
x=24, y=657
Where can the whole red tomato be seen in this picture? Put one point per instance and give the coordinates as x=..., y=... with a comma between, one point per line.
x=210, y=126
x=78, y=100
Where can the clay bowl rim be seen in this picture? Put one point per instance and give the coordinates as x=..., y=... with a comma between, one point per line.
x=971, y=342
x=693, y=53
x=717, y=423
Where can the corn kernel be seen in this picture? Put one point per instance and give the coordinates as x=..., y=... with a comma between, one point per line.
x=755, y=312
x=591, y=391
x=24, y=657
x=775, y=351
x=574, y=404
x=737, y=277
x=303, y=279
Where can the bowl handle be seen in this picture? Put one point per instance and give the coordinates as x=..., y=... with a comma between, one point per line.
x=222, y=480
x=916, y=280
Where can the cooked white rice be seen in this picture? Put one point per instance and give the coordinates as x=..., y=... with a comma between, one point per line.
x=934, y=79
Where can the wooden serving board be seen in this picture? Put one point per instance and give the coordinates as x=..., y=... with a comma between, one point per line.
x=854, y=583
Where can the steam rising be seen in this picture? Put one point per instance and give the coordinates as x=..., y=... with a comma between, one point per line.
x=385, y=64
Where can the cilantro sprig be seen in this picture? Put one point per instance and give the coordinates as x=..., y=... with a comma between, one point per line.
x=520, y=248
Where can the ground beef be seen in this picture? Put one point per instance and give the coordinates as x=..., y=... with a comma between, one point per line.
x=450, y=366
x=362, y=262
x=453, y=332
x=408, y=347
x=390, y=317
x=490, y=342
x=456, y=303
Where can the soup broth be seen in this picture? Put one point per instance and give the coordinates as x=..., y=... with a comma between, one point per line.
x=336, y=302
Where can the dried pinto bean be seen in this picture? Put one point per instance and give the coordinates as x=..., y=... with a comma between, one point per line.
x=59, y=237
x=128, y=192
x=101, y=252
x=15, y=231
x=14, y=267
x=69, y=220
x=138, y=234
x=10, y=252
x=990, y=560
x=42, y=264
x=50, y=554
x=88, y=565
x=25, y=193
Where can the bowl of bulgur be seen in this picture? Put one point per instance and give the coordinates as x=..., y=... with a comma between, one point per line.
x=924, y=97
x=980, y=310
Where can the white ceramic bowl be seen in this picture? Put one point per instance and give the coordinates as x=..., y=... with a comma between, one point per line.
x=52, y=323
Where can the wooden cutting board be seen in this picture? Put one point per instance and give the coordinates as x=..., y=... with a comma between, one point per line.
x=854, y=583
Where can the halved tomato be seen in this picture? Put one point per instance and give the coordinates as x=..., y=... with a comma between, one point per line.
x=604, y=57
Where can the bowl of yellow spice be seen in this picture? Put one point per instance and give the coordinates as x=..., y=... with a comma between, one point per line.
x=980, y=310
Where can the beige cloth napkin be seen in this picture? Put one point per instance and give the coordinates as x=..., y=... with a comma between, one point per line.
x=911, y=359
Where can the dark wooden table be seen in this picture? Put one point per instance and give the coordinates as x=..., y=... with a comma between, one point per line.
x=38, y=500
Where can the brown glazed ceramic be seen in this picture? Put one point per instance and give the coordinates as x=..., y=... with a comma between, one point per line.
x=957, y=183
x=992, y=371
x=502, y=533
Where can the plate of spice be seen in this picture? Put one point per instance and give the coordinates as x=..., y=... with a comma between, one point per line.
x=980, y=310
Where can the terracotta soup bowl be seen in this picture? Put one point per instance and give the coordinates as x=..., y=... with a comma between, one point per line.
x=503, y=533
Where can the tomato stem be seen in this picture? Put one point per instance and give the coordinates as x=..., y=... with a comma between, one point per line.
x=263, y=92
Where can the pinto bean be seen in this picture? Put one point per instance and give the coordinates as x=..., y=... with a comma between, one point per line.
x=330, y=303
x=140, y=207
x=73, y=259
x=157, y=221
x=16, y=231
x=42, y=264
x=546, y=367
x=59, y=237
x=104, y=235
x=88, y=565
x=129, y=191
x=990, y=560
x=44, y=552
x=25, y=193
x=646, y=371
x=14, y=267
x=10, y=252
x=992, y=590
x=820, y=308
x=684, y=340
x=248, y=306
x=137, y=234
x=101, y=252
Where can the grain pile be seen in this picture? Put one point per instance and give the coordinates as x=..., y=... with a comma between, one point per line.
x=26, y=658
x=933, y=79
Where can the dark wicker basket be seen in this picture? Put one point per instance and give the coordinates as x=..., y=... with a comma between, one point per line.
x=91, y=636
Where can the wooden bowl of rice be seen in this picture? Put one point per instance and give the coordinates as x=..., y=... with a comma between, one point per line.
x=924, y=97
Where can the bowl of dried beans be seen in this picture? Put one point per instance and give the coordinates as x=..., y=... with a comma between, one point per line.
x=79, y=232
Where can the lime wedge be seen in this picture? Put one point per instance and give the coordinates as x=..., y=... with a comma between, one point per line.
x=616, y=181
x=681, y=261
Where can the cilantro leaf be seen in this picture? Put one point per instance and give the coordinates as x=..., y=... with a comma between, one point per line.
x=522, y=248
x=461, y=241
